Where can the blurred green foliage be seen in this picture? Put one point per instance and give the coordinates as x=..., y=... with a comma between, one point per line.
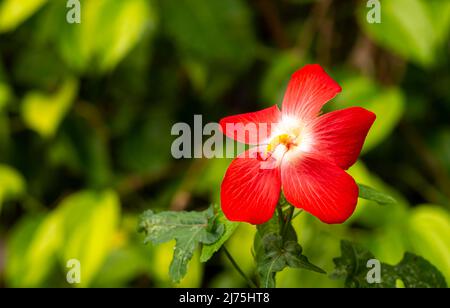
x=86, y=111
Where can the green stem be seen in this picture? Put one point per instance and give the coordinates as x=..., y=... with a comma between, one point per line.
x=287, y=221
x=236, y=266
x=296, y=214
x=280, y=217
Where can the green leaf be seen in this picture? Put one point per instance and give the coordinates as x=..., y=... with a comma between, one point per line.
x=208, y=250
x=273, y=253
x=413, y=271
x=387, y=103
x=13, y=12
x=12, y=184
x=352, y=264
x=32, y=248
x=109, y=30
x=369, y=193
x=187, y=228
x=122, y=26
x=81, y=227
x=43, y=113
x=428, y=233
x=406, y=28
x=161, y=257
x=90, y=222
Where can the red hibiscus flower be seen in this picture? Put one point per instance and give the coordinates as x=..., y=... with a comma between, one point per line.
x=298, y=151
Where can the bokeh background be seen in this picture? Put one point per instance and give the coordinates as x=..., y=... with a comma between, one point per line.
x=86, y=111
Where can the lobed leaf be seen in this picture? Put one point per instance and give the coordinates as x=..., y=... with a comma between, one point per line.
x=413, y=271
x=274, y=252
x=188, y=229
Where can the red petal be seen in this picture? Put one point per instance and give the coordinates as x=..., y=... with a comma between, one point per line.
x=253, y=127
x=250, y=191
x=339, y=135
x=318, y=187
x=309, y=89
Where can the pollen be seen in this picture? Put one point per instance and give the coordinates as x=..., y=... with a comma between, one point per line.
x=284, y=139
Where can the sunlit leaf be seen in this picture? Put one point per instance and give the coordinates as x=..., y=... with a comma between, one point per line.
x=108, y=31
x=13, y=12
x=128, y=258
x=188, y=229
x=32, y=250
x=429, y=228
x=90, y=222
x=43, y=112
x=406, y=28
x=121, y=27
x=12, y=184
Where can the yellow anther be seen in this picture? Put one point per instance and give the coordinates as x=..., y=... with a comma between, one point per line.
x=284, y=139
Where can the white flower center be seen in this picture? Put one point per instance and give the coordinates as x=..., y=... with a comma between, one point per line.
x=288, y=135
